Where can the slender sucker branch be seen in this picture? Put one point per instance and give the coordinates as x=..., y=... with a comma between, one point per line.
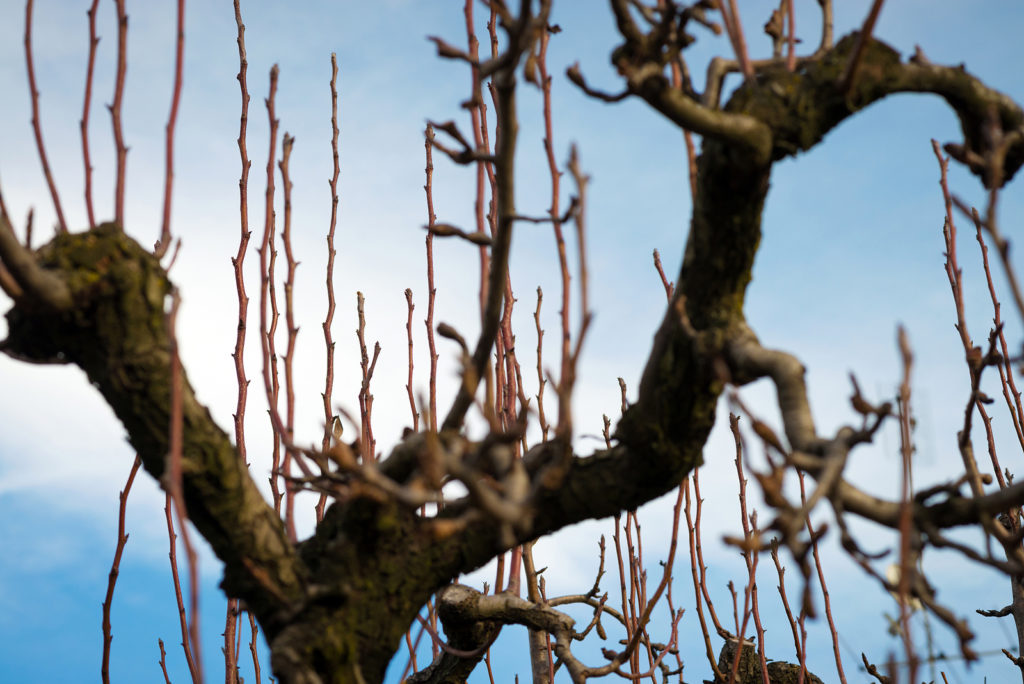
x=172, y=119
x=86, y=103
x=36, y=126
x=120, y=149
x=504, y=84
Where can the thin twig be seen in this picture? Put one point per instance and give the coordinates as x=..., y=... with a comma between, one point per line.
x=408, y=384
x=254, y=629
x=266, y=283
x=176, y=494
x=36, y=126
x=122, y=539
x=329, y=281
x=115, y=112
x=368, y=445
x=163, y=661
x=824, y=588
x=172, y=120
x=293, y=332
x=238, y=355
x=850, y=75
x=431, y=290
x=86, y=104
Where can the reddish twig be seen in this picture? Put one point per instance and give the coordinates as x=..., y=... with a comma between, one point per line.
x=626, y=622
x=477, y=111
x=115, y=112
x=367, y=444
x=906, y=451
x=790, y=36
x=238, y=355
x=177, y=495
x=408, y=384
x=163, y=661
x=186, y=642
x=789, y=612
x=691, y=534
x=1010, y=392
x=230, y=646
x=734, y=29
x=669, y=287
x=556, y=224
x=36, y=126
x=850, y=75
x=824, y=587
x=172, y=120
x=122, y=539
x=722, y=632
x=267, y=296
x=431, y=290
x=329, y=280
x=412, y=645
x=254, y=629
x=636, y=625
x=541, y=382
x=28, y=227
x=243, y=242
x=579, y=219
x=293, y=333
x=86, y=104
x=750, y=546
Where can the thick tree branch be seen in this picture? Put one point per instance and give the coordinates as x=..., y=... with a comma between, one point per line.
x=37, y=286
x=116, y=332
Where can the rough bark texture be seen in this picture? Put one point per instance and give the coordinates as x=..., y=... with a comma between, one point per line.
x=335, y=607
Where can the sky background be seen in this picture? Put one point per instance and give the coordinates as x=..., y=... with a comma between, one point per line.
x=852, y=247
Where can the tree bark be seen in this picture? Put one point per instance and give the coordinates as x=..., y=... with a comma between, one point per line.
x=335, y=607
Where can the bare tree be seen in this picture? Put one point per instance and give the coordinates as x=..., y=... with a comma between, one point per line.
x=337, y=606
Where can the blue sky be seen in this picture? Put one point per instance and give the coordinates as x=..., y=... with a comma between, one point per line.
x=852, y=246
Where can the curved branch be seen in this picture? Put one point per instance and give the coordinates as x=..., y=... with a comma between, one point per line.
x=116, y=332
x=37, y=286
